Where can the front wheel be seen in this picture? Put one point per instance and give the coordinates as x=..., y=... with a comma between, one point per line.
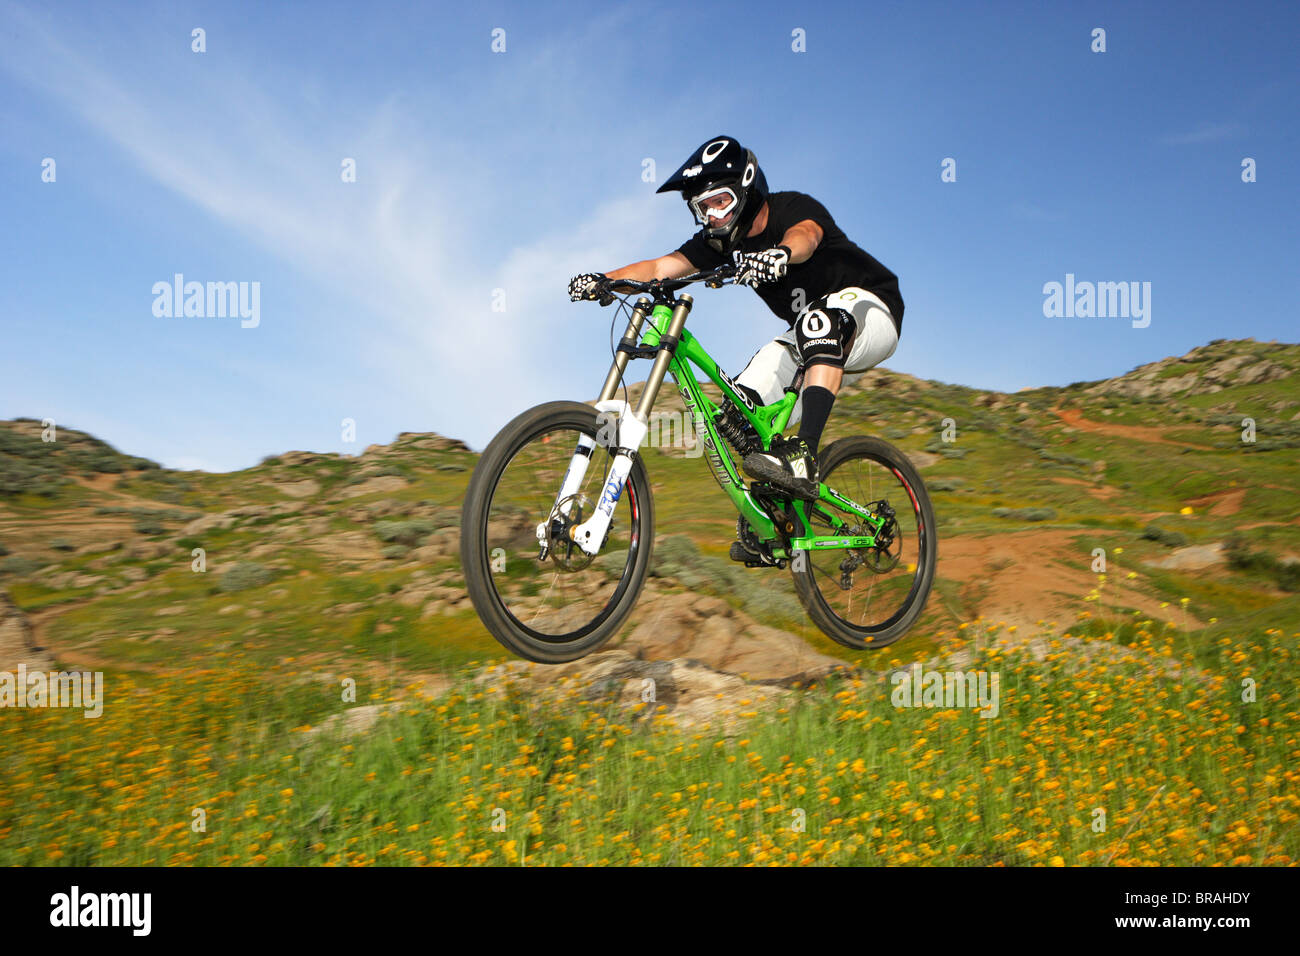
x=869, y=598
x=556, y=603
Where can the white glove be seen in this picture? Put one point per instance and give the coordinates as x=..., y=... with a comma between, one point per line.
x=766, y=266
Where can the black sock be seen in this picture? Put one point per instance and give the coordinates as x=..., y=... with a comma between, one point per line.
x=817, y=402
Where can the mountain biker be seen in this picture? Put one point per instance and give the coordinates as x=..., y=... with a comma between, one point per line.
x=843, y=307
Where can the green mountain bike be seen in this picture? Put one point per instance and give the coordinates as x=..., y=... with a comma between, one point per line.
x=558, y=524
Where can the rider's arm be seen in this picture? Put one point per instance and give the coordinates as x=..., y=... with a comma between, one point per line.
x=802, y=240
x=672, y=266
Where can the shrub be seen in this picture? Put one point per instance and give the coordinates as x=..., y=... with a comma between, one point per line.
x=245, y=575
x=3, y=550
x=1241, y=558
x=394, y=552
x=1025, y=514
x=108, y=464
x=62, y=544
x=409, y=533
x=17, y=565
x=18, y=477
x=1048, y=455
x=1170, y=539
x=150, y=526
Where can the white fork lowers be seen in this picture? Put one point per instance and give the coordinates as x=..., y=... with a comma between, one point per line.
x=631, y=433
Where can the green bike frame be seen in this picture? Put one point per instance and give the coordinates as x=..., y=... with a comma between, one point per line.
x=675, y=350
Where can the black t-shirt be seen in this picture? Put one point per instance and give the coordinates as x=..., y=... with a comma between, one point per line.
x=835, y=264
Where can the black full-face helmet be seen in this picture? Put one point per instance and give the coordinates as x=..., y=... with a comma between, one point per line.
x=724, y=187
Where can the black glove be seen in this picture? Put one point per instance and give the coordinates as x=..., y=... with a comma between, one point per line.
x=589, y=286
x=766, y=266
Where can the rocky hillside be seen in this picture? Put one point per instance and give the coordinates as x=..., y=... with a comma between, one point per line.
x=350, y=562
x=1204, y=371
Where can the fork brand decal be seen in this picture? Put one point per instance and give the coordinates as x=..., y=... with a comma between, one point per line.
x=710, y=450
x=609, y=497
x=744, y=399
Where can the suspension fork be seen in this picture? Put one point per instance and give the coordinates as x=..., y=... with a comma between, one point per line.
x=633, y=423
x=577, y=469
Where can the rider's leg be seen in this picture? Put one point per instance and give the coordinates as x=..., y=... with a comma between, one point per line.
x=768, y=373
x=824, y=334
x=872, y=340
x=820, y=384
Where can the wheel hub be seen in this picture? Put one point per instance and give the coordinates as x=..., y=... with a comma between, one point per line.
x=563, y=551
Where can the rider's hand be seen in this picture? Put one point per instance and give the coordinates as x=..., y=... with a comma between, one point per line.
x=589, y=285
x=766, y=266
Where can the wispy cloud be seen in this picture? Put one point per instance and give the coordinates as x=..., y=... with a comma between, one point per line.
x=434, y=345
x=1204, y=133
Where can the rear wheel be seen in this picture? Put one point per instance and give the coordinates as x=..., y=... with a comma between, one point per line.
x=870, y=597
x=565, y=605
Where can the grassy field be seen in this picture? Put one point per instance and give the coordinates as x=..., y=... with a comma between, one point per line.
x=1089, y=761
x=1148, y=715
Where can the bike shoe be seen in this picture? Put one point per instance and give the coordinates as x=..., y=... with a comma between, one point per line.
x=789, y=467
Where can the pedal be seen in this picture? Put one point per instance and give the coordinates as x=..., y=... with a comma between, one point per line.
x=749, y=559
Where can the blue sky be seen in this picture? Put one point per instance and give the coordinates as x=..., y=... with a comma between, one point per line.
x=479, y=171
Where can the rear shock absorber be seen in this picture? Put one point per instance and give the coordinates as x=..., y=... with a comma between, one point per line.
x=736, y=429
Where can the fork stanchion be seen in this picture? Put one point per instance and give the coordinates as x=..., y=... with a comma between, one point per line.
x=621, y=358
x=660, y=367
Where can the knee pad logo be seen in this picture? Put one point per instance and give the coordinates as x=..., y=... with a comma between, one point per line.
x=815, y=323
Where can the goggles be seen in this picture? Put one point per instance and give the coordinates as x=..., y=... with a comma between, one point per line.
x=715, y=208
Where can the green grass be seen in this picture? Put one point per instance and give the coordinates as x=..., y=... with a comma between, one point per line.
x=1186, y=773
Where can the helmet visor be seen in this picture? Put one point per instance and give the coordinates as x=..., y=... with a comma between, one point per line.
x=717, y=207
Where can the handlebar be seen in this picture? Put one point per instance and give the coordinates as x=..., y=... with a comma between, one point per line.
x=662, y=289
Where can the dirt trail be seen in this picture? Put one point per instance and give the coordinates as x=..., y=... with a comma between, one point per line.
x=1074, y=418
x=1222, y=503
x=106, y=484
x=1027, y=576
